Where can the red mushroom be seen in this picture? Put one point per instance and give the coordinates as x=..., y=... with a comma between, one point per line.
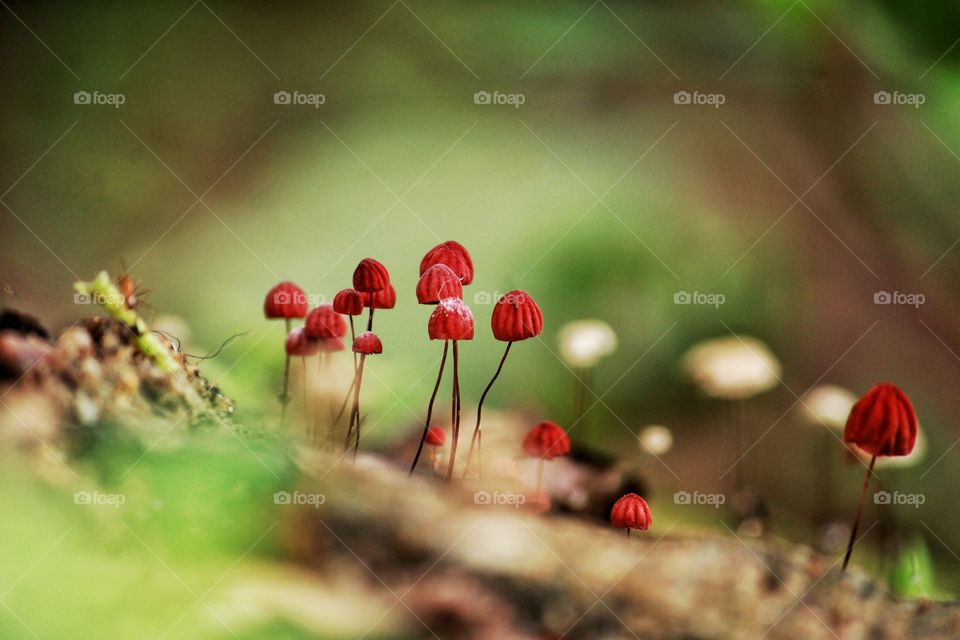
x=515, y=317
x=454, y=255
x=435, y=439
x=438, y=282
x=287, y=301
x=349, y=302
x=546, y=441
x=299, y=345
x=386, y=298
x=325, y=322
x=882, y=423
x=631, y=512
x=365, y=344
x=369, y=277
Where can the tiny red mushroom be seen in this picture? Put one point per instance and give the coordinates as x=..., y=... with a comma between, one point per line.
x=299, y=345
x=435, y=439
x=438, y=282
x=349, y=302
x=631, y=512
x=365, y=344
x=451, y=321
x=882, y=423
x=325, y=322
x=369, y=277
x=516, y=317
x=386, y=298
x=454, y=255
x=546, y=441
x=286, y=301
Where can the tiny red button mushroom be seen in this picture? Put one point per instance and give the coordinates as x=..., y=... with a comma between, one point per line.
x=367, y=343
x=436, y=437
x=299, y=344
x=451, y=320
x=454, y=255
x=286, y=300
x=882, y=423
x=546, y=441
x=348, y=302
x=515, y=317
x=438, y=282
x=631, y=512
x=324, y=322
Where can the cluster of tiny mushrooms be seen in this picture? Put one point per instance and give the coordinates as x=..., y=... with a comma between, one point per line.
x=881, y=423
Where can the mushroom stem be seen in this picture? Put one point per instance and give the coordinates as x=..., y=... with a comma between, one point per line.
x=306, y=408
x=455, y=409
x=477, y=434
x=353, y=337
x=539, y=475
x=628, y=532
x=284, y=398
x=433, y=397
x=856, y=521
x=355, y=411
x=370, y=319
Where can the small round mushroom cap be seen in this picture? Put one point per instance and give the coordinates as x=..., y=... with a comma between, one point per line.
x=367, y=343
x=286, y=300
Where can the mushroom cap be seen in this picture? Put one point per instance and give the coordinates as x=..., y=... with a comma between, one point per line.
x=883, y=422
x=732, y=367
x=329, y=345
x=516, y=317
x=349, y=302
x=546, y=440
x=324, y=322
x=438, y=282
x=370, y=275
x=436, y=436
x=367, y=343
x=828, y=405
x=299, y=344
x=454, y=255
x=286, y=300
x=386, y=298
x=631, y=512
x=583, y=343
x=451, y=320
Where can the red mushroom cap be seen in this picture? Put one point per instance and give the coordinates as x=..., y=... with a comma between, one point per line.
x=631, y=512
x=451, y=320
x=349, y=302
x=516, y=317
x=546, y=440
x=286, y=300
x=299, y=344
x=370, y=276
x=882, y=422
x=438, y=282
x=454, y=255
x=367, y=343
x=385, y=298
x=324, y=322
x=436, y=437
x=329, y=345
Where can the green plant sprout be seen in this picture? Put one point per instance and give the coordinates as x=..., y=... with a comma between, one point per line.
x=105, y=292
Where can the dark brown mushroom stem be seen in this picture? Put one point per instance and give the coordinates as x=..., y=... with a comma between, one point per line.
x=433, y=397
x=354, y=428
x=856, y=521
x=284, y=397
x=477, y=433
x=370, y=319
x=455, y=410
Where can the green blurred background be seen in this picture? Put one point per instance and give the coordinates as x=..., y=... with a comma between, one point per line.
x=599, y=195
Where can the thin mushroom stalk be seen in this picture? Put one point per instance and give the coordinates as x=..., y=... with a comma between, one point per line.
x=456, y=410
x=284, y=301
x=366, y=344
x=477, y=438
x=433, y=397
x=856, y=519
x=284, y=395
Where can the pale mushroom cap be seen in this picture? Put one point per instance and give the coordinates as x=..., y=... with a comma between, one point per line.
x=583, y=343
x=828, y=404
x=732, y=368
x=655, y=440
